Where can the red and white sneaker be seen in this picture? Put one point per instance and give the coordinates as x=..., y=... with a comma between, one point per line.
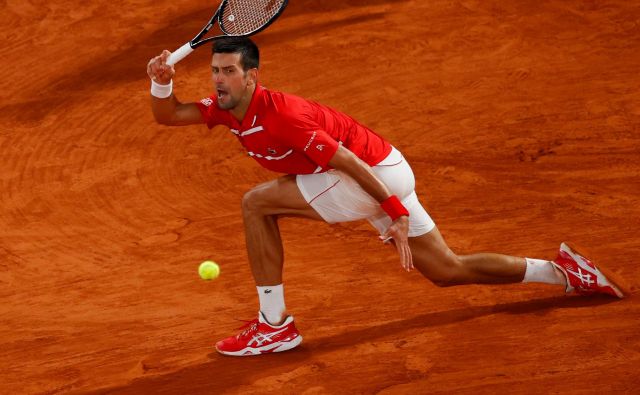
x=260, y=337
x=582, y=275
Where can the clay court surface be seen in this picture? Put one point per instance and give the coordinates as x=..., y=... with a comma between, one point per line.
x=521, y=120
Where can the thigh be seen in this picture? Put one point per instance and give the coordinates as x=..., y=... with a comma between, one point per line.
x=279, y=197
x=339, y=198
x=336, y=196
x=396, y=173
x=419, y=220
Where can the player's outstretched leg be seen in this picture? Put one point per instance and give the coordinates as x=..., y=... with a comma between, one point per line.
x=435, y=260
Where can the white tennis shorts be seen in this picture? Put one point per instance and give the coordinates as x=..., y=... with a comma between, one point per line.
x=339, y=198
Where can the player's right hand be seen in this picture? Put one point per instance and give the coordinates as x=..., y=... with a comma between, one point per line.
x=159, y=71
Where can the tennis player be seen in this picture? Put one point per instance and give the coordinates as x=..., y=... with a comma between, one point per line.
x=337, y=170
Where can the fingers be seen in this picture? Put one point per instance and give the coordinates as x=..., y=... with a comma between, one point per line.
x=151, y=69
x=406, y=260
x=397, y=234
x=403, y=257
x=158, y=70
x=409, y=258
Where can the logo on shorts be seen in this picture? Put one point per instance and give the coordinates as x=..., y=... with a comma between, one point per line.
x=320, y=147
x=272, y=151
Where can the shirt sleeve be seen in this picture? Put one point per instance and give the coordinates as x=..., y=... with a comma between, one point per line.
x=318, y=145
x=309, y=139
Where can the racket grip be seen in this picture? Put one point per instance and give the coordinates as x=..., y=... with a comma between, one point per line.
x=179, y=54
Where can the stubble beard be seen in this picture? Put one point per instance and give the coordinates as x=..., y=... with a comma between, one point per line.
x=228, y=105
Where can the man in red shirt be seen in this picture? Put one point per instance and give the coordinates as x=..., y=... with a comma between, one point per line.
x=337, y=170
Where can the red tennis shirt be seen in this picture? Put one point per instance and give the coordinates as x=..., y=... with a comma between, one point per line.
x=292, y=135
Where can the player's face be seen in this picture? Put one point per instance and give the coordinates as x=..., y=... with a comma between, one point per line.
x=232, y=83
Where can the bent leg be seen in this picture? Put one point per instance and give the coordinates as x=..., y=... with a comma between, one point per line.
x=261, y=208
x=435, y=260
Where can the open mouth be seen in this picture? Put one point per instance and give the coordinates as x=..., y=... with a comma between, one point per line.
x=222, y=93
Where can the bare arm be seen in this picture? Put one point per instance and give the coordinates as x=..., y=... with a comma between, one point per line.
x=347, y=162
x=170, y=111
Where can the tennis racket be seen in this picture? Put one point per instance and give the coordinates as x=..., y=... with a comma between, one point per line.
x=235, y=18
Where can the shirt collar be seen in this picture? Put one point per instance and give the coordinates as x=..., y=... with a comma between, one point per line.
x=249, y=116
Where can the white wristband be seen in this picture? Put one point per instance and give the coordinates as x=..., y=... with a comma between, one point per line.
x=161, y=91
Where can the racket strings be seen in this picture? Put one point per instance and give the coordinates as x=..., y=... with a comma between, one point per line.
x=242, y=17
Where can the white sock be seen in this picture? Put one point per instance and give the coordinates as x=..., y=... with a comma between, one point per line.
x=272, y=303
x=541, y=271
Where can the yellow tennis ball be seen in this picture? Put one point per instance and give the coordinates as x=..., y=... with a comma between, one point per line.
x=209, y=270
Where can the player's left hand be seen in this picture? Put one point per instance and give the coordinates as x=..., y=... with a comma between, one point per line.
x=399, y=232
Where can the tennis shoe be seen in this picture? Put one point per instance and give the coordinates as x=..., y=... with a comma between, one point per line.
x=582, y=275
x=260, y=337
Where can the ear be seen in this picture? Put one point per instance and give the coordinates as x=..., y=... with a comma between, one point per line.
x=253, y=76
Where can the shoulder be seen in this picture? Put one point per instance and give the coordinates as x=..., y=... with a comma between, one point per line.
x=286, y=107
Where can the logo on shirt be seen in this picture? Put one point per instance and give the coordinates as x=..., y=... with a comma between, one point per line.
x=206, y=101
x=313, y=137
x=320, y=147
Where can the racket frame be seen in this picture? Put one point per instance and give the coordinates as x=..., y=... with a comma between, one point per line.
x=187, y=48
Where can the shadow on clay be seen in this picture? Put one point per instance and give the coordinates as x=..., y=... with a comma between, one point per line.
x=243, y=371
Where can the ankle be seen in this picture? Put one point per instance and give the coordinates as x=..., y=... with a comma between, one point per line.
x=272, y=304
x=275, y=321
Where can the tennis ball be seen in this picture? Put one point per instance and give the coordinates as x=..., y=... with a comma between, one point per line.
x=209, y=270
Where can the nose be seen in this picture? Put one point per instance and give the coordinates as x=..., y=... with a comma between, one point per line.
x=217, y=78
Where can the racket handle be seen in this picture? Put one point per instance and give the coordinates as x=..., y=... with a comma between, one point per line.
x=179, y=54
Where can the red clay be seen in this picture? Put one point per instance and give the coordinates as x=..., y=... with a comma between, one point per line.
x=521, y=120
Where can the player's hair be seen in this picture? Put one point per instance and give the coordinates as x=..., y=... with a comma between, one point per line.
x=248, y=50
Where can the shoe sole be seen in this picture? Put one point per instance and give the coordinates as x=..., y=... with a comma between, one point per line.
x=271, y=348
x=609, y=276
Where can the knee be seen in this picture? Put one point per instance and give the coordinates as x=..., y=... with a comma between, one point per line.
x=445, y=281
x=253, y=202
x=447, y=271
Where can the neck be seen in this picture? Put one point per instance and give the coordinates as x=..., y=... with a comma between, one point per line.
x=240, y=110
